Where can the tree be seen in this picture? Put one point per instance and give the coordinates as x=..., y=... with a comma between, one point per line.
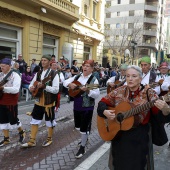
x=119, y=39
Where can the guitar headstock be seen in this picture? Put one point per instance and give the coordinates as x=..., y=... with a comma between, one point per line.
x=166, y=97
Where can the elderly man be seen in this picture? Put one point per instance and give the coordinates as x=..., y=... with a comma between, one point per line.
x=163, y=80
x=10, y=84
x=148, y=76
x=84, y=103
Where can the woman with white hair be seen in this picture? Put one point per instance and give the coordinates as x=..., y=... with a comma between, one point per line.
x=129, y=129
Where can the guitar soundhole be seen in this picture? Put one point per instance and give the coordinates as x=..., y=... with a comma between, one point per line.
x=119, y=117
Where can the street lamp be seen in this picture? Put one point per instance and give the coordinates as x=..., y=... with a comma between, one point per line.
x=133, y=44
x=126, y=55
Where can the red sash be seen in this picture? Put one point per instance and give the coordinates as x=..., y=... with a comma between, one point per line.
x=9, y=99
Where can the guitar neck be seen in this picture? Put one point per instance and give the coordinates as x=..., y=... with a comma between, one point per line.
x=139, y=109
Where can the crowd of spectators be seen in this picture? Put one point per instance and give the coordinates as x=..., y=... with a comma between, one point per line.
x=65, y=71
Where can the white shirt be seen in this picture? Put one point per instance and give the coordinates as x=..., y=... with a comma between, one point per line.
x=55, y=83
x=165, y=85
x=145, y=78
x=15, y=85
x=83, y=80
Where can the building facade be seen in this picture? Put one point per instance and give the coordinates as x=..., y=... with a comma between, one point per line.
x=59, y=27
x=137, y=26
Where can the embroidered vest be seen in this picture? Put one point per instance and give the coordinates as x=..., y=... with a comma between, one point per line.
x=49, y=97
x=87, y=101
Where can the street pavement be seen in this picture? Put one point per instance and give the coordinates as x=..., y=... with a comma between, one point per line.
x=61, y=154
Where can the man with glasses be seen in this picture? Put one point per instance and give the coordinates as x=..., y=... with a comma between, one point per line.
x=83, y=103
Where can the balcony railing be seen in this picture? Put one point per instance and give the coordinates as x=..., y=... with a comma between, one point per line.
x=62, y=7
x=64, y=4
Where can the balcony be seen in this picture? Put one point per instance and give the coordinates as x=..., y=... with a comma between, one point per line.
x=151, y=44
x=152, y=6
x=64, y=8
x=150, y=32
x=56, y=10
x=150, y=19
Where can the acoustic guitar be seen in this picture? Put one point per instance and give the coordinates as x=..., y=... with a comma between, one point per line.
x=117, y=84
x=38, y=91
x=1, y=84
x=77, y=91
x=124, y=119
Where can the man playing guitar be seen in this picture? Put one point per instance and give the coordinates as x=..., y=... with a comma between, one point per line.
x=45, y=103
x=84, y=103
x=118, y=78
x=9, y=102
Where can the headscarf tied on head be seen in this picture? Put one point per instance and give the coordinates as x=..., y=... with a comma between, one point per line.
x=145, y=59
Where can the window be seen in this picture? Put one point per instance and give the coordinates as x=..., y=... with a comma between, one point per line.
x=118, y=13
x=87, y=53
x=85, y=10
x=131, y=13
x=117, y=25
x=107, y=26
x=94, y=10
x=118, y=1
x=129, y=37
x=148, y=40
x=108, y=4
x=130, y=25
x=132, y=1
x=10, y=41
x=117, y=37
x=108, y=15
x=50, y=45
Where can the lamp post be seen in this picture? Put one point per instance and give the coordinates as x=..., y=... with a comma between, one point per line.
x=126, y=54
x=133, y=44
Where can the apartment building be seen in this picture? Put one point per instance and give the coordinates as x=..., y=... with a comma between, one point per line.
x=137, y=26
x=69, y=28
x=167, y=15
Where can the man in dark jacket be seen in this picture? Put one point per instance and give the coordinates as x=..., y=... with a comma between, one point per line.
x=22, y=64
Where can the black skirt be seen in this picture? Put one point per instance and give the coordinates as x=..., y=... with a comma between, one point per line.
x=132, y=149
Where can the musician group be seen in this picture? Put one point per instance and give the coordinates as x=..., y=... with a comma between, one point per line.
x=131, y=88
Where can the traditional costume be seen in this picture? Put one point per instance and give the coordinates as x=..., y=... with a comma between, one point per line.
x=163, y=88
x=9, y=103
x=119, y=78
x=44, y=105
x=131, y=149
x=84, y=106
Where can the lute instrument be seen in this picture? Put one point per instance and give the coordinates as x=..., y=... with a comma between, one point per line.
x=38, y=91
x=117, y=84
x=109, y=128
x=77, y=91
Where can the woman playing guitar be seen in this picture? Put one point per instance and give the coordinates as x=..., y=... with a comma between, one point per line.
x=130, y=149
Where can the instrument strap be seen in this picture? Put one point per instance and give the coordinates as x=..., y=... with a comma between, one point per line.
x=46, y=74
x=6, y=77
